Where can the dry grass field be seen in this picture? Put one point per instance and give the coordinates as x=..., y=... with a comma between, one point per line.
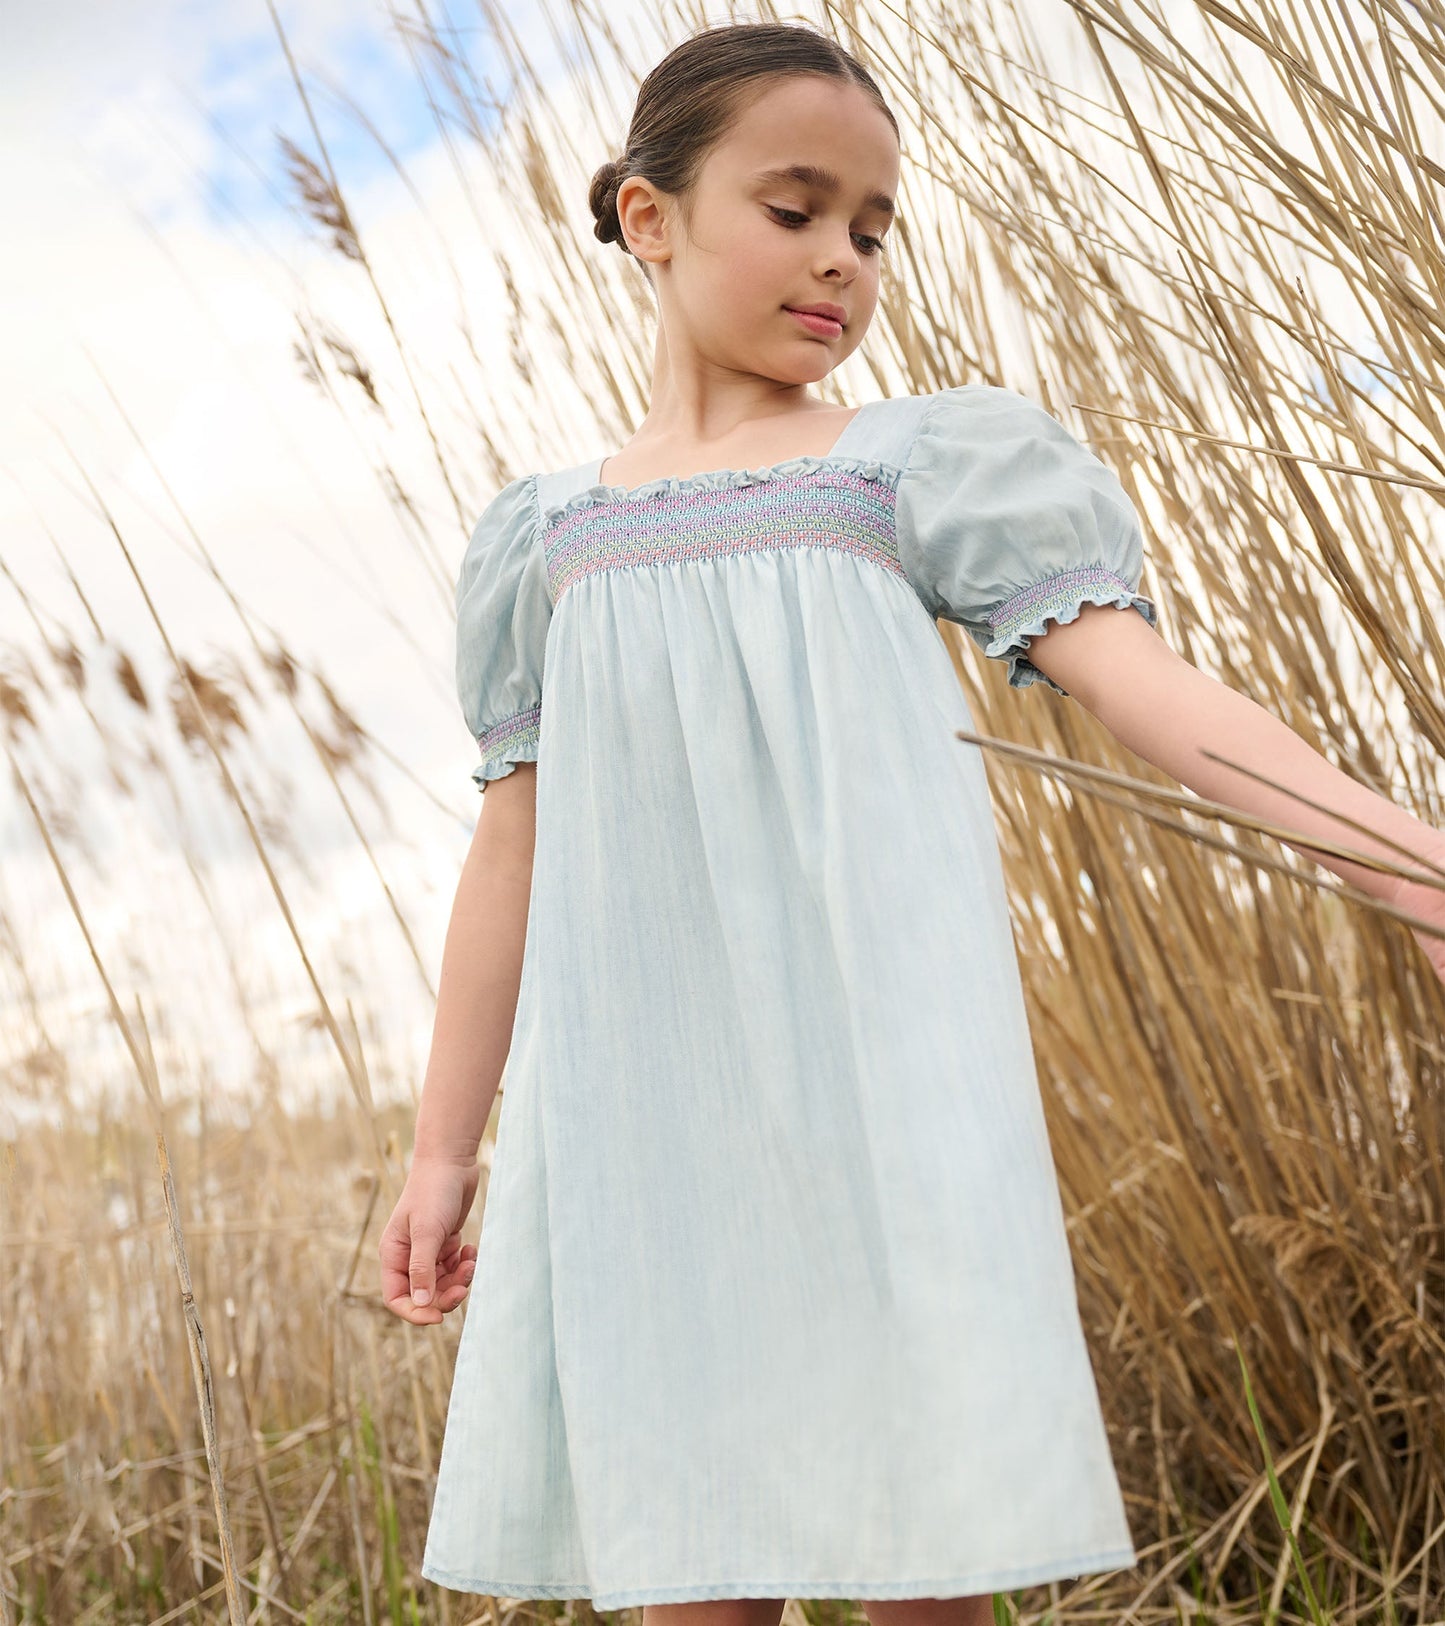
x=1225, y=271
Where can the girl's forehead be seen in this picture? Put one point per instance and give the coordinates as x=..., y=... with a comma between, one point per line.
x=812, y=128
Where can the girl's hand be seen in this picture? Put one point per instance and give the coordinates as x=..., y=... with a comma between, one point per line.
x=1427, y=903
x=422, y=1257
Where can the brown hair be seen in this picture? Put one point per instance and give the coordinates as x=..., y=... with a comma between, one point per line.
x=690, y=100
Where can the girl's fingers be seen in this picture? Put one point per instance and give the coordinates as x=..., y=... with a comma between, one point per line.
x=461, y=1276
x=456, y=1265
x=452, y=1251
x=451, y=1259
x=450, y=1295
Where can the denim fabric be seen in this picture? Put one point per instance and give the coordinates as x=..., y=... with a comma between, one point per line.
x=773, y=1293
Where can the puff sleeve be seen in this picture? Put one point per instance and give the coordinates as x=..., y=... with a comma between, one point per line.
x=1006, y=521
x=504, y=610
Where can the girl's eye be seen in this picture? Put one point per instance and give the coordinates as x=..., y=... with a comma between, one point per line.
x=876, y=244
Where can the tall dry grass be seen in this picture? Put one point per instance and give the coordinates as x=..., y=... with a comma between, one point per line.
x=1224, y=270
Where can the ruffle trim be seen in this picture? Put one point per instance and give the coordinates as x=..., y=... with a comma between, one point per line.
x=515, y=739
x=495, y=767
x=675, y=485
x=1015, y=642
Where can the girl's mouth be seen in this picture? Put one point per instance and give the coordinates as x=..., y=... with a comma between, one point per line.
x=824, y=326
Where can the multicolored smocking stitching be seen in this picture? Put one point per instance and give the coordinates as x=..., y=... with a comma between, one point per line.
x=521, y=732
x=841, y=509
x=1053, y=595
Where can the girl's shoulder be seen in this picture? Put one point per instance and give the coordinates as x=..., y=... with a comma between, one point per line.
x=886, y=430
x=975, y=411
x=903, y=430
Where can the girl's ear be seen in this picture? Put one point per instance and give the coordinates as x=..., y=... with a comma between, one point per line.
x=643, y=213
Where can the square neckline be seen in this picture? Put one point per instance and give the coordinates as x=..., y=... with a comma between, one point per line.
x=592, y=472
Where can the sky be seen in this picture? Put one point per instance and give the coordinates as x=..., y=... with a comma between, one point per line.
x=162, y=260
x=156, y=263
x=158, y=250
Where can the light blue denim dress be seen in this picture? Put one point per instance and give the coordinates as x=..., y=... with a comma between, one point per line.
x=773, y=1294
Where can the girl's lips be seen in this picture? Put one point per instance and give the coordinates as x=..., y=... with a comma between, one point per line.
x=824, y=326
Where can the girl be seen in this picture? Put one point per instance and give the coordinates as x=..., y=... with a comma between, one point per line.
x=775, y=1296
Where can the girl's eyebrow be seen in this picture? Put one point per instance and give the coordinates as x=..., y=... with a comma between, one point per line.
x=825, y=180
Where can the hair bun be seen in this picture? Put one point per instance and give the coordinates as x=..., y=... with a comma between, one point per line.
x=602, y=197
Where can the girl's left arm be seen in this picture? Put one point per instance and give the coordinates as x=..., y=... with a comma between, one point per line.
x=1168, y=712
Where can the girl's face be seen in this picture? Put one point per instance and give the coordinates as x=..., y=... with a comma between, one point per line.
x=762, y=240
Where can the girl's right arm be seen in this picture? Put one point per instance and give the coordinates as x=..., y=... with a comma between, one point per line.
x=425, y=1271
